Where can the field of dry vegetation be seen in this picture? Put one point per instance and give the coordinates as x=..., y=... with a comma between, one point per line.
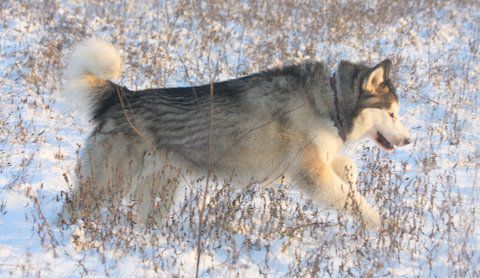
x=427, y=193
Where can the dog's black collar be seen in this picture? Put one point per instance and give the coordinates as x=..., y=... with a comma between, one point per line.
x=339, y=119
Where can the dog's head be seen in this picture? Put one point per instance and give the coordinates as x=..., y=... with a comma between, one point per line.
x=376, y=107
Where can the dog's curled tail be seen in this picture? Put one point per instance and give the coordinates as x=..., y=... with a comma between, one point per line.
x=90, y=66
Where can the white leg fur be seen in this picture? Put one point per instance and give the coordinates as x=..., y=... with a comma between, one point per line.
x=114, y=169
x=346, y=169
x=156, y=188
x=320, y=181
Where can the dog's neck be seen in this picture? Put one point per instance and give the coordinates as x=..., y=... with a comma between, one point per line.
x=338, y=120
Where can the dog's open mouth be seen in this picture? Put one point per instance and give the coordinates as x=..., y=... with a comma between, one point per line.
x=384, y=142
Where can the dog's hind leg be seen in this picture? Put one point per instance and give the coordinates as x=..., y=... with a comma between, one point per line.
x=104, y=177
x=318, y=179
x=156, y=189
x=94, y=175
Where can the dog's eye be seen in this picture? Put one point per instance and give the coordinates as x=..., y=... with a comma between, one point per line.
x=391, y=115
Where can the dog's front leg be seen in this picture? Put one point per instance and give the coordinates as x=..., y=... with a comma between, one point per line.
x=318, y=179
x=346, y=169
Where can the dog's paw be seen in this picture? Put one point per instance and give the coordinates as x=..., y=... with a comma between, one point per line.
x=372, y=219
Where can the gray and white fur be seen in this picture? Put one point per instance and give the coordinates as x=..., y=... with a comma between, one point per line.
x=273, y=124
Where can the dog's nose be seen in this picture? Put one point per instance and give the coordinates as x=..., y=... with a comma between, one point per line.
x=407, y=141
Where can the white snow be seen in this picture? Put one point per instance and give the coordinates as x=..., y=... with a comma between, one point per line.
x=427, y=192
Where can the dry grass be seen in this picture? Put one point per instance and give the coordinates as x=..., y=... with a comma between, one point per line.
x=427, y=194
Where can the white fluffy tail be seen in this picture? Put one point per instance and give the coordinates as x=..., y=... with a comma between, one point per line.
x=89, y=67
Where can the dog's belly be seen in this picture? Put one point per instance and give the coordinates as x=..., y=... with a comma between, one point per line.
x=253, y=164
x=265, y=155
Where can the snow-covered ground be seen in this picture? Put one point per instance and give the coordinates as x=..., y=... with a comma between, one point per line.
x=427, y=193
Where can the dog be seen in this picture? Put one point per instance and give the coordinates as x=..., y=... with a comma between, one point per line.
x=288, y=122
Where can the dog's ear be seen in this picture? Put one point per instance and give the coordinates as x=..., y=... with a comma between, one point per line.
x=376, y=76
